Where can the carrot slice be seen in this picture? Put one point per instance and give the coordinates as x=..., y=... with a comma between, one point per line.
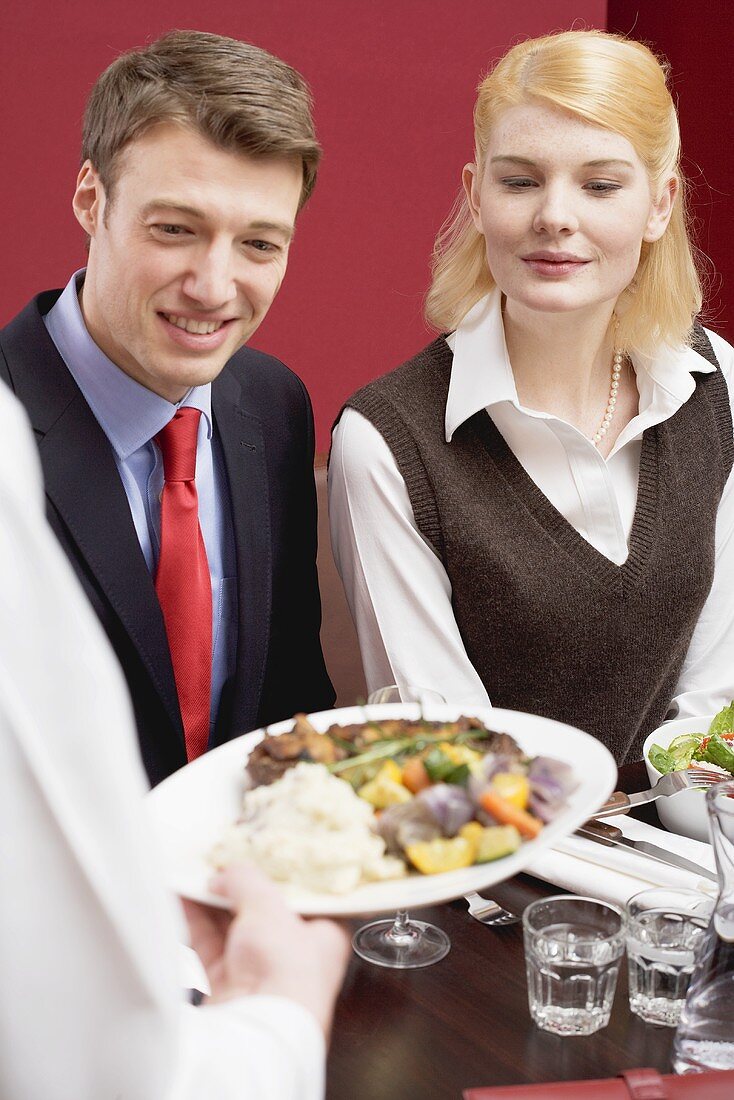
x=507, y=814
x=415, y=777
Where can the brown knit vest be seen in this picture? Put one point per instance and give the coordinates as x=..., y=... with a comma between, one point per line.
x=550, y=624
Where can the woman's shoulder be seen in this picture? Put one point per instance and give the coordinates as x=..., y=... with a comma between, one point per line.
x=406, y=405
x=724, y=353
x=724, y=409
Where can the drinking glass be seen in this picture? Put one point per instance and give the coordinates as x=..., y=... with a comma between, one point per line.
x=573, y=947
x=665, y=927
x=402, y=943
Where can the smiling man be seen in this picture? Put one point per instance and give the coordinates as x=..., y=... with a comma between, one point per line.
x=179, y=463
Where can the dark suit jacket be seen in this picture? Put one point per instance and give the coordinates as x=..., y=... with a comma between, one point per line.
x=262, y=415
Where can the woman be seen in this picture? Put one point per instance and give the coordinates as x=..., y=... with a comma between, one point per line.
x=537, y=509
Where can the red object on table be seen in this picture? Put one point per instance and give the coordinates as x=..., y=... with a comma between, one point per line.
x=633, y=1084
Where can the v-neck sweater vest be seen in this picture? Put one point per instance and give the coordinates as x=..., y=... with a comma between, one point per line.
x=551, y=625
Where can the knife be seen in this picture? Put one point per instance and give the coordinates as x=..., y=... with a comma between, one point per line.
x=604, y=833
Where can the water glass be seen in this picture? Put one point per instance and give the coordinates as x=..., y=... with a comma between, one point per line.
x=573, y=948
x=664, y=931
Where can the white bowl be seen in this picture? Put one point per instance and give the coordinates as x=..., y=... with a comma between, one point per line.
x=683, y=813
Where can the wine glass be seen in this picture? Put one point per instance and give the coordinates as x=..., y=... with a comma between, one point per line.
x=400, y=942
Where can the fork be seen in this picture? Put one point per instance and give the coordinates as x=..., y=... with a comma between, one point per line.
x=690, y=779
x=489, y=912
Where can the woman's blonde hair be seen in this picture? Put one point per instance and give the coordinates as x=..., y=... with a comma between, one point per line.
x=616, y=84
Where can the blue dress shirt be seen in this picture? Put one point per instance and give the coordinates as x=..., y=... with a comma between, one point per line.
x=130, y=416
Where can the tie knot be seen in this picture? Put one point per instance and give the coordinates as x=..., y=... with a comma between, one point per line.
x=177, y=442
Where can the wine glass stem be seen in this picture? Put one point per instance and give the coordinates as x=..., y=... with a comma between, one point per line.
x=401, y=932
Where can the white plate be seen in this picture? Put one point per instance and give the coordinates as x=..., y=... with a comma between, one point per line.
x=192, y=807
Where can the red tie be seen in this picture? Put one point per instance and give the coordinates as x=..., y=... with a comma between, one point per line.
x=182, y=581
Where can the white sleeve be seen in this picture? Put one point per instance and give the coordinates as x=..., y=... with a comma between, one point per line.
x=89, y=1004
x=251, y=1048
x=397, y=588
x=706, y=682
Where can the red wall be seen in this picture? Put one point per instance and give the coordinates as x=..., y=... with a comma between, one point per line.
x=696, y=38
x=394, y=85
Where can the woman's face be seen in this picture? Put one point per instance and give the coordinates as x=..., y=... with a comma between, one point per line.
x=564, y=207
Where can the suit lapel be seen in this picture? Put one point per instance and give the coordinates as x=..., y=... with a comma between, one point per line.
x=83, y=484
x=243, y=446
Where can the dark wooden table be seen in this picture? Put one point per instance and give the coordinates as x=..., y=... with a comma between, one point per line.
x=427, y=1034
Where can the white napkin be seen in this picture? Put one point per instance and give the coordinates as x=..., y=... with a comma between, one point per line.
x=582, y=866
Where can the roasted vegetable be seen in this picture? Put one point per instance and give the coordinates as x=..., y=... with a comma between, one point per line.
x=496, y=841
x=505, y=813
x=414, y=775
x=386, y=788
x=450, y=805
x=442, y=768
x=512, y=787
x=433, y=857
x=551, y=782
x=406, y=824
x=472, y=832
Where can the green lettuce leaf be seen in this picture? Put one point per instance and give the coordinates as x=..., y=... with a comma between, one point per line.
x=682, y=748
x=661, y=759
x=442, y=769
x=724, y=721
x=718, y=751
x=678, y=754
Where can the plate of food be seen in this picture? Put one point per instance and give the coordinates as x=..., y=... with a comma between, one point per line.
x=707, y=741
x=366, y=810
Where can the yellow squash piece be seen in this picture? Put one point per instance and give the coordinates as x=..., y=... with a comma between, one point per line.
x=459, y=754
x=495, y=842
x=432, y=857
x=385, y=789
x=472, y=831
x=390, y=770
x=514, y=788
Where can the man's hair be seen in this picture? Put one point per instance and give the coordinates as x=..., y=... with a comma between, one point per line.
x=238, y=96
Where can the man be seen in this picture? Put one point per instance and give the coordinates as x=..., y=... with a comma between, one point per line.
x=178, y=464
x=88, y=1000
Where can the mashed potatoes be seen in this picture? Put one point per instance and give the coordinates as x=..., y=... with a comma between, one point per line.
x=309, y=829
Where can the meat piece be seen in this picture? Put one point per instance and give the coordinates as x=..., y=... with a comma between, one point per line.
x=263, y=768
x=501, y=744
x=270, y=759
x=286, y=746
x=363, y=734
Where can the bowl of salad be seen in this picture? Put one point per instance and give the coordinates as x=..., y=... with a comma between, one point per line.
x=675, y=746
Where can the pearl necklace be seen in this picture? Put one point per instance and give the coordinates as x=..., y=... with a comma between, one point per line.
x=601, y=431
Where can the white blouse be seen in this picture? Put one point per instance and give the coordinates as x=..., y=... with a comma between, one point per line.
x=398, y=589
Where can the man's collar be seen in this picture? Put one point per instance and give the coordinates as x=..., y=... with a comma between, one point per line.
x=129, y=413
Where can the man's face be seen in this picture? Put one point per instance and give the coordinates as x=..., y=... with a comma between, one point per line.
x=186, y=259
